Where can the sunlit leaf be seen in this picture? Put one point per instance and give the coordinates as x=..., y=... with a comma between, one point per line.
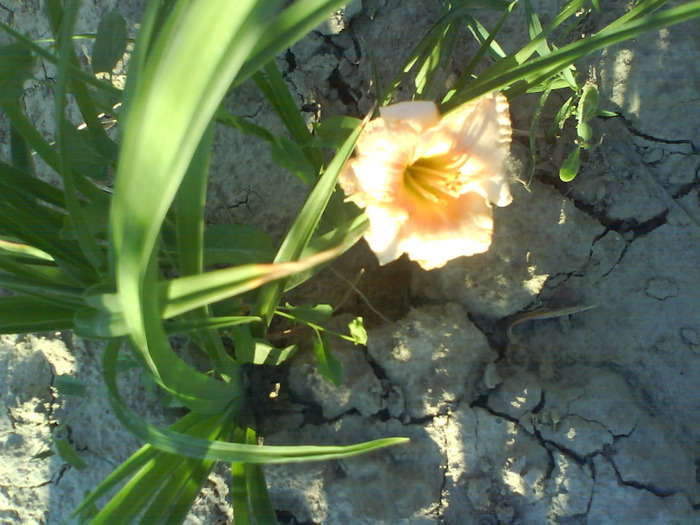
x=357, y=331
x=329, y=366
x=588, y=105
x=570, y=166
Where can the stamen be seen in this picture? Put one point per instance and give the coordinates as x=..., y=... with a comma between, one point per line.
x=421, y=190
x=436, y=178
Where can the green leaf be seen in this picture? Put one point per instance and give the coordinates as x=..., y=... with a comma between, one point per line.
x=290, y=156
x=348, y=234
x=534, y=28
x=243, y=125
x=243, y=343
x=533, y=130
x=208, y=323
x=110, y=43
x=423, y=52
x=104, y=318
x=134, y=463
x=16, y=66
x=178, y=443
x=565, y=111
x=68, y=454
x=306, y=222
x=175, y=497
x=259, y=496
x=236, y=244
x=205, y=42
x=63, y=33
x=21, y=315
x=257, y=351
x=86, y=159
x=44, y=454
x=25, y=182
x=295, y=22
x=20, y=152
x=570, y=166
x=267, y=354
x=584, y=131
x=97, y=220
x=309, y=314
x=329, y=366
x=153, y=490
x=276, y=90
x=186, y=293
x=249, y=489
x=357, y=331
x=68, y=385
x=520, y=76
x=333, y=131
x=587, y=110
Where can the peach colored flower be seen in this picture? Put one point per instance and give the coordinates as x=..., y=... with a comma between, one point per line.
x=427, y=182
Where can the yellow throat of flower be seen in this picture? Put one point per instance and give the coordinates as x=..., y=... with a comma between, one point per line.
x=437, y=178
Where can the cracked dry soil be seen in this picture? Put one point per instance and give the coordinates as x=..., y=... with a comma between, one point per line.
x=591, y=418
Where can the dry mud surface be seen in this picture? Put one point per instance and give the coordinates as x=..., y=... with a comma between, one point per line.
x=591, y=418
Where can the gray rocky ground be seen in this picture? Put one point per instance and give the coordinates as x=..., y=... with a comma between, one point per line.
x=592, y=418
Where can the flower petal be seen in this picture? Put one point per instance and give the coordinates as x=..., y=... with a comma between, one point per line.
x=381, y=156
x=484, y=132
x=383, y=234
x=420, y=113
x=438, y=234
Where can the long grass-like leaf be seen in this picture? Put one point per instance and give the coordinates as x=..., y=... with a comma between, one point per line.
x=256, y=487
x=539, y=69
x=275, y=89
x=137, y=460
x=183, y=484
x=22, y=314
x=176, y=498
x=488, y=44
x=21, y=280
x=178, y=443
x=162, y=129
x=158, y=483
x=104, y=318
x=189, y=206
x=20, y=152
x=75, y=71
x=304, y=226
x=34, y=230
x=421, y=52
x=129, y=502
x=290, y=25
x=68, y=17
x=239, y=485
x=25, y=182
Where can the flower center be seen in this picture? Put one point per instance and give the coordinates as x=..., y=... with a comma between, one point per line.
x=436, y=178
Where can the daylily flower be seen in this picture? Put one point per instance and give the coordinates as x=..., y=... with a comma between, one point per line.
x=426, y=182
